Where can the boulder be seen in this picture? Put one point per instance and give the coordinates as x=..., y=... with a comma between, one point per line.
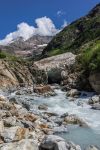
x=94, y=99
x=96, y=106
x=53, y=142
x=13, y=134
x=73, y=93
x=73, y=119
x=43, y=89
x=92, y=147
x=42, y=107
x=25, y=144
x=95, y=82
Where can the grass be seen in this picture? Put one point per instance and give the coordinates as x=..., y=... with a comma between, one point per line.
x=90, y=58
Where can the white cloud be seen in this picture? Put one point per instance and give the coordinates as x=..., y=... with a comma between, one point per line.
x=45, y=27
x=60, y=13
x=65, y=24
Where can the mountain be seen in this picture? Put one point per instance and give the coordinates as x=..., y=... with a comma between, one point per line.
x=76, y=36
x=33, y=46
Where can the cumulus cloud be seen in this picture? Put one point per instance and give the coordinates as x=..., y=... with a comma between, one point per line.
x=44, y=27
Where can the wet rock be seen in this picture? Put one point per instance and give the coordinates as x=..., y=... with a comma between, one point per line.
x=73, y=93
x=52, y=142
x=73, y=119
x=49, y=114
x=64, y=115
x=42, y=107
x=96, y=106
x=94, y=99
x=13, y=134
x=60, y=129
x=44, y=89
x=92, y=147
x=25, y=144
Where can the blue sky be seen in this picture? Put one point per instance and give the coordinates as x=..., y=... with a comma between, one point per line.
x=13, y=12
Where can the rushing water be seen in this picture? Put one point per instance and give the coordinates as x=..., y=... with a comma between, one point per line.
x=82, y=136
x=60, y=104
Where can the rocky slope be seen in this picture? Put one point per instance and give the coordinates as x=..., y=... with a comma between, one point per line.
x=19, y=73
x=73, y=37
x=33, y=46
x=82, y=38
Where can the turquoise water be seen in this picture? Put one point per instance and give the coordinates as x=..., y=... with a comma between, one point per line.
x=82, y=136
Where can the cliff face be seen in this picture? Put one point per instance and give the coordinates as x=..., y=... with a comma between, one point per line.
x=20, y=74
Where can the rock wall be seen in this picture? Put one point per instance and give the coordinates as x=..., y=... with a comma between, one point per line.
x=15, y=73
x=95, y=82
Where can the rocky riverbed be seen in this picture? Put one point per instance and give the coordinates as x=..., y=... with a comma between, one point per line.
x=38, y=120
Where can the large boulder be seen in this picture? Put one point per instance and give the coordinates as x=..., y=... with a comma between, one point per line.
x=53, y=142
x=25, y=144
x=13, y=134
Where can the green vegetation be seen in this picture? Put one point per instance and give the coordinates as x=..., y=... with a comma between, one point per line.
x=89, y=60
x=2, y=55
x=73, y=37
x=9, y=57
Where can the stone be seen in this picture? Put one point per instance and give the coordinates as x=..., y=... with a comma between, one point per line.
x=13, y=134
x=25, y=144
x=92, y=147
x=94, y=99
x=96, y=106
x=73, y=119
x=41, y=89
x=2, y=98
x=52, y=142
x=42, y=107
x=9, y=121
x=73, y=93
x=30, y=117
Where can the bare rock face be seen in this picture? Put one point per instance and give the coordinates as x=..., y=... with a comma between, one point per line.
x=31, y=47
x=15, y=73
x=95, y=82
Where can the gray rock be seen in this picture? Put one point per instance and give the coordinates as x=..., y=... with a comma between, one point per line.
x=52, y=142
x=73, y=93
x=94, y=99
x=92, y=147
x=96, y=106
x=25, y=144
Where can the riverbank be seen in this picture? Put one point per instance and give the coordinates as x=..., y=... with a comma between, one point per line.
x=37, y=116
